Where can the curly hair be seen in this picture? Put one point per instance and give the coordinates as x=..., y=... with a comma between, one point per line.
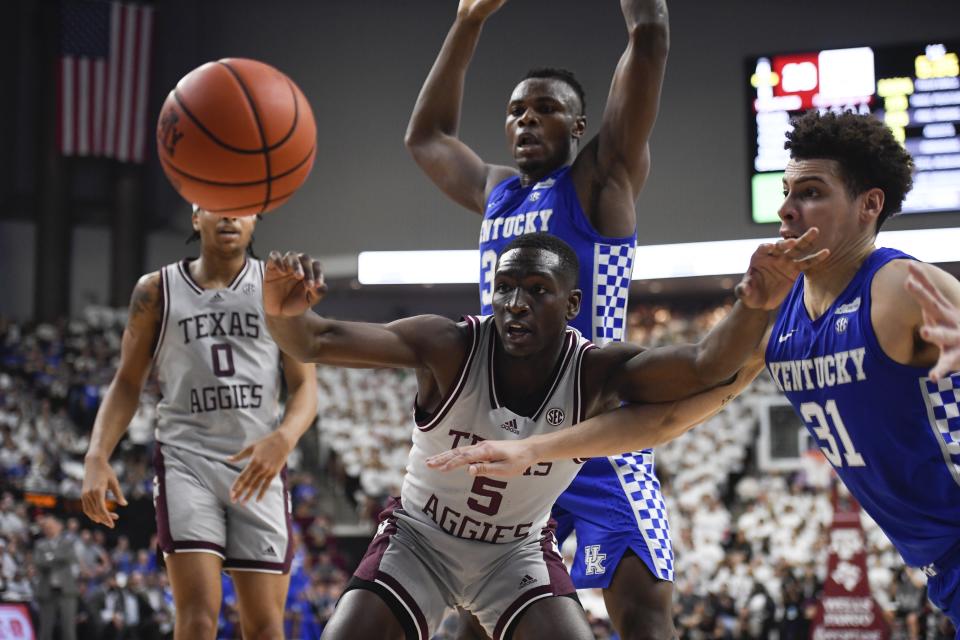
x=564, y=76
x=868, y=154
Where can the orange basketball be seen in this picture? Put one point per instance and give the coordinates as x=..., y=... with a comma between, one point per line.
x=236, y=137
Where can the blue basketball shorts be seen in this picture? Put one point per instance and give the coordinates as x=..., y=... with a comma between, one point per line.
x=614, y=504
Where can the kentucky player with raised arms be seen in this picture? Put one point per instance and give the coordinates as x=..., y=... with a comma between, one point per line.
x=478, y=543
x=850, y=350
x=584, y=193
x=220, y=439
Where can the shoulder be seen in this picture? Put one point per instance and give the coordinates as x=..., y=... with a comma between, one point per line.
x=888, y=287
x=146, y=295
x=599, y=363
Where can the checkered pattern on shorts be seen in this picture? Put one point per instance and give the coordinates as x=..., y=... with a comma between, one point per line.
x=612, y=270
x=943, y=399
x=642, y=488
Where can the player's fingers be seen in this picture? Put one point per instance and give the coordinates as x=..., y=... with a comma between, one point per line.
x=812, y=260
x=926, y=295
x=240, y=455
x=492, y=469
x=274, y=260
x=806, y=240
x=264, y=486
x=240, y=484
x=439, y=460
x=936, y=335
x=114, y=485
x=920, y=277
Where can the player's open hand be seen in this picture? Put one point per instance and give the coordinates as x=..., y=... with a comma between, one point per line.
x=941, y=321
x=775, y=267
x=501, y=458
x=267, y=457
x=293, y=282
x=98, y=478
x=480, y=9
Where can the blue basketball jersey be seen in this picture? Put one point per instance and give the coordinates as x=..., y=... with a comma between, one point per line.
x=892, y=434
x=551, y=205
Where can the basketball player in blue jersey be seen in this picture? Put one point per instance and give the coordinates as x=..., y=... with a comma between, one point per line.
x=474, y=542
x=851, y=351
x=585, y=193
x=221, y=446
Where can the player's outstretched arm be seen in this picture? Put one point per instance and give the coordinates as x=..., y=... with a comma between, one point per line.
x=432, y=132
x=268, y=455
x=612, y=168
x=941, y=315
x=293, y=283
x=673, y=372
x=121, y=400
x=628, y=428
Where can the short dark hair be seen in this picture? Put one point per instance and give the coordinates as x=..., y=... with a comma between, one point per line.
x=569, y=268
x=868, y=154
x=563, y=75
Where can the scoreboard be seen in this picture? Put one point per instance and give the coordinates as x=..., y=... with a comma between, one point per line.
x=914, y=89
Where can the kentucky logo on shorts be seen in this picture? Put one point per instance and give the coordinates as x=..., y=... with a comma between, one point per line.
x=555, y=417
x=594, y=560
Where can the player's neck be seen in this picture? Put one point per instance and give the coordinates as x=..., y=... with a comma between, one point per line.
x=824, y=284
x=533, y=176
x=213, y=270
x=522, y=382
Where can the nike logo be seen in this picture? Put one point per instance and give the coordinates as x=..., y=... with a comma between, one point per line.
x=786, y=337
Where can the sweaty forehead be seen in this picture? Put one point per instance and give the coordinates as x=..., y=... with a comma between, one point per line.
x=521, y=262
x=533, y=88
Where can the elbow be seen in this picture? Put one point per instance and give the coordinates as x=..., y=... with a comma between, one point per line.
x=652, y=36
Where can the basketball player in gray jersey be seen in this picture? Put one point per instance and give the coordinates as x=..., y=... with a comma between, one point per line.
x=220, y=439
x=483, y=544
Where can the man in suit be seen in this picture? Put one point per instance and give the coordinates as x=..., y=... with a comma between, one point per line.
x=56, y=561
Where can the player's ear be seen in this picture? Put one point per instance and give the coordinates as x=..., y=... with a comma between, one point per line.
x=579, y=127
x=573, y=304
x=871, y=204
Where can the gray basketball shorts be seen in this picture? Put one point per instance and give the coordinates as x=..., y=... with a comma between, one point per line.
x=191, y=495
x=424, y=570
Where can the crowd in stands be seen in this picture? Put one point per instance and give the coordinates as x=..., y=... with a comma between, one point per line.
x=750, y=546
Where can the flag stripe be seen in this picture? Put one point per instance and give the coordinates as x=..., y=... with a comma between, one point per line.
x=128, y=53
x=143, y=72
x=99, y=91
x=83, y=106
x=114, y=75
x=67, y=113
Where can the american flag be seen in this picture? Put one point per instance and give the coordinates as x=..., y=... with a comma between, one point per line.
x=105, y=51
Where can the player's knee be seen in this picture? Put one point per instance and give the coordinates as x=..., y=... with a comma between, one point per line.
x=197, y=624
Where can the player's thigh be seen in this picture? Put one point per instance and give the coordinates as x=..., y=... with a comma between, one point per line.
x=468, y=627
x=557, y=618
x=261, y=598
x=363, y=614
x=258, y=532
x=639, y=605
x=195, y=581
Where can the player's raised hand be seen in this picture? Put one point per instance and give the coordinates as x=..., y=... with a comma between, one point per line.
x=480, y=9
x=98, y=478
x=775, y=267
x=267, y=457
x=293, y=282
x=941, y=321
x=501, y=458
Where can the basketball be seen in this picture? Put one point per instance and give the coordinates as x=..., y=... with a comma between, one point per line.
x=236, y=137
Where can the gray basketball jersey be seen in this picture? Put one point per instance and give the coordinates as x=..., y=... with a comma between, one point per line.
x=217, y=365
x=494, y=510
